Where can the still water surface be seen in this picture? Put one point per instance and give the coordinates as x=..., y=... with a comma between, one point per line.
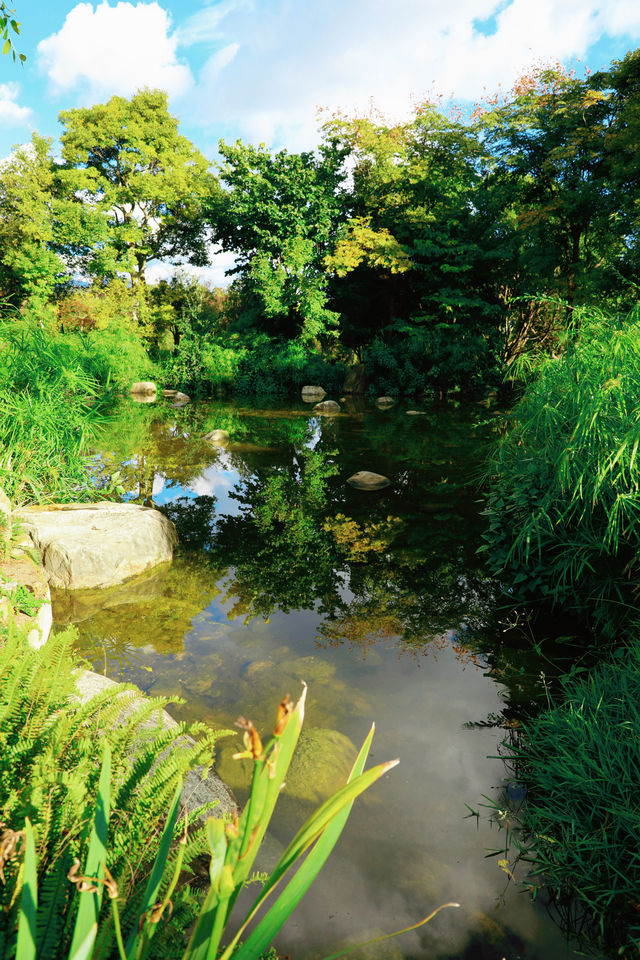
x=379, y=602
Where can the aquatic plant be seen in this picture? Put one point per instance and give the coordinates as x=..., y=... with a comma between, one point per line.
x=564, y=503
x=50, y=757
x=579, y=763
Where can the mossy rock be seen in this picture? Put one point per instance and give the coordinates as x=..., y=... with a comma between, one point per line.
x=311, y=668
x=321, y=764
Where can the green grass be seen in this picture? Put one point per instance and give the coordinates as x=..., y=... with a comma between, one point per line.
x=579, y=762
x=564, y=504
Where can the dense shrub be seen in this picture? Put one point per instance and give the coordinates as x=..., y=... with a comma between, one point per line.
x=411, y=360
x=579, y=762
x=260, y=367
x=564, y=506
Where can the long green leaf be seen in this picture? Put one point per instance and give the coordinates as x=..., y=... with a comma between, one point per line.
x=157, y=873
x=28, y=900
x=278, y=913
x=86, y=926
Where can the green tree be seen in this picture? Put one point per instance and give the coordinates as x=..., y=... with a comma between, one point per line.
x=411, y=261
x=279, y=214
x=126, y=160
x=29, y=268
x=548, y=175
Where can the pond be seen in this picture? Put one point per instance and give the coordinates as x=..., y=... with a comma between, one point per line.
x=378, y=601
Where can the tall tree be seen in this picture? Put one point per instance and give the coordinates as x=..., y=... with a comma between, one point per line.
x=29, y=269
x=126, y=159
x=279, y=214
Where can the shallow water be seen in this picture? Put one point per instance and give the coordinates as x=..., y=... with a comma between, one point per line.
x=378, y=602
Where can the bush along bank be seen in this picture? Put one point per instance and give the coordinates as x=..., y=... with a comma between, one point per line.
x=564, y=535
x=579, y=763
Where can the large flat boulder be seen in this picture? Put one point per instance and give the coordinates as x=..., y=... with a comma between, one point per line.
x=98, y=544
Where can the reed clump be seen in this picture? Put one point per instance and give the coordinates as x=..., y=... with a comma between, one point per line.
x=564, y=503
x=579, y=762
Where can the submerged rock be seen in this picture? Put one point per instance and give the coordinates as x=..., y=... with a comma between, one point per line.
x=366, y=480
x=321, y=764
x=217, y=437
x=98, y=544
x=310, y=393
x=327, y=406
x=144, y=387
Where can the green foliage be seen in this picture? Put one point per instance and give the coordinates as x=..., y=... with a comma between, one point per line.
x=29, y=214
x=279, y=215
x=564, y=506
x=413, y=359
x=9, y=25
x=252, y=365
x=145, y=183
x=579, y=762
x=49, y=408
x=50, y=759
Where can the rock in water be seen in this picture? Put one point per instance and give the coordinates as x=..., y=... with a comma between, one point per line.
x=416, y=413
x=181, y=397
x=144, y=387
x=217, y=437
x=366, y=480
x=98, y=544
x=385, y=401
x=327, y=406
x=309, y=394
x=355, y=380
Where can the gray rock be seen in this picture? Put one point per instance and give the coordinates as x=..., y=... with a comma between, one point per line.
x=181, y=397
x=327, y=407
x=98, y=544
x=144, y=387
x=169, y=393
x=311, y=394
x=217, y=438
x=355, y=380
x=197, y=791
x=385, y=401
x=366, y=480
x=416, y=413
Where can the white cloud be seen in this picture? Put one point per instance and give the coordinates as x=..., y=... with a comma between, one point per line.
x=10, y=111
x=204, y=25
x=288, y=60
x=114, y=50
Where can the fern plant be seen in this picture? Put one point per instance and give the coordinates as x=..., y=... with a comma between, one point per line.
x=50, y=757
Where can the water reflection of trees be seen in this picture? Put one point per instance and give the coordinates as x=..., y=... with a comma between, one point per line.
x=371, y=576
x=400, y=564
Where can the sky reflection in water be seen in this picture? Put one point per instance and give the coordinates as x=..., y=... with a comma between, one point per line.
x=290, y=575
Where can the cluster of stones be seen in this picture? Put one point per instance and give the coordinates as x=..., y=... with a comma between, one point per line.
x=146, y=391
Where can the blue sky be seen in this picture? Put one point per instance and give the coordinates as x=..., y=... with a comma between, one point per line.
x=259, y=69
